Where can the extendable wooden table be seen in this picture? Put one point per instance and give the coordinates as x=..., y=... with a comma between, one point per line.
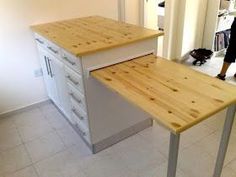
x=175, y=96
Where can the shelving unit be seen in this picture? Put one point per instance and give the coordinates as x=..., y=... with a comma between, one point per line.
x=216, y=23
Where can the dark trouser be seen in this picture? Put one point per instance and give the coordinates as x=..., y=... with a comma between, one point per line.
x=231, y=51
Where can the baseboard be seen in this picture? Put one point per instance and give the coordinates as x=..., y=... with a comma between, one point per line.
x=121, y=136
x=25, y=108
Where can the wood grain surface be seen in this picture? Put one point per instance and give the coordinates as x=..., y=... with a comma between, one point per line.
x=174, y=95
x=87, y=35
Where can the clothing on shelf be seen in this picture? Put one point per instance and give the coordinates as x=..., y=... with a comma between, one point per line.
x=221, y=40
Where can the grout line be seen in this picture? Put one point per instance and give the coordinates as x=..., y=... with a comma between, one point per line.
x=17, y=170
x=55, y=129
x=35, y=170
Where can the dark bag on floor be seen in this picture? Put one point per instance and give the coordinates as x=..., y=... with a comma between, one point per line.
x=201, y=55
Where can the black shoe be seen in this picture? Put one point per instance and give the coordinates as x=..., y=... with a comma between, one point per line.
x=235, y=75
x=222, y=77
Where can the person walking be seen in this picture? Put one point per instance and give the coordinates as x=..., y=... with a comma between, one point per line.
x=231, y=51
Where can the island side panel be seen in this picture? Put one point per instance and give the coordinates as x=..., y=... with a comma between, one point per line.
x=111, y=117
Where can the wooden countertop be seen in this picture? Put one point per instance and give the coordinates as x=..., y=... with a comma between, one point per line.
x=174, y=95
x=86, y=35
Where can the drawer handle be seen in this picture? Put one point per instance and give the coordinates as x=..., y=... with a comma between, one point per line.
x=50, y=68
x=73, y=81
x=80, y=131
x=77, y=114
x=71, y=62
x=76, y=99
x=41, y=42
x=53, y=50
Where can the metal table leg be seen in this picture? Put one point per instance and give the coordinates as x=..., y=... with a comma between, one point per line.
x=224, y=140
x=173, y=155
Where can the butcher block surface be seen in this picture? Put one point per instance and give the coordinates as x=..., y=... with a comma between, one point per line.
x=83, y=36
x=173, y=94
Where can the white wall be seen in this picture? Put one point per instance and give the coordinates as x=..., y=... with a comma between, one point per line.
x=132, y=11
x=194, y=22
x=186, y=21
x=18, y=54
x=150, y=7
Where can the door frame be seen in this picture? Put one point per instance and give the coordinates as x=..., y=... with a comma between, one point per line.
x=171, y=24
x=121, y=10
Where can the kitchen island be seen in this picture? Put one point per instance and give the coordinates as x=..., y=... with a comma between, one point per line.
x=69, y=50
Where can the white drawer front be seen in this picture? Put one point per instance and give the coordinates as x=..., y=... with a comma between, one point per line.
x=76, y=96
x=40, y=40
x=79, y=115
x=53, y=49
x=83, y=131
x=74, y=79
x=71, y=61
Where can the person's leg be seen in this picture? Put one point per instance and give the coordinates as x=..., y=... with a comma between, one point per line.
x=230, y=53
x=224, y=68
x=223, y=71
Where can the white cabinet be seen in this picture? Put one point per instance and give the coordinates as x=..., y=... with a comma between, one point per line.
x=55, y=81
x=48, y=74
x=92, y=109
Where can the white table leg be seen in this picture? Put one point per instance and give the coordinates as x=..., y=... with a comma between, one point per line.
x=224, y=140
x=173, y=155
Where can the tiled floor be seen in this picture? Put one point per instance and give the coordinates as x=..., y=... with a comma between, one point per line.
x=213, y=67
x=40, y=143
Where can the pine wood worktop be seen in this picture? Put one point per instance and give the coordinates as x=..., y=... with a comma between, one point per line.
x=174, y=95
x=87, y=35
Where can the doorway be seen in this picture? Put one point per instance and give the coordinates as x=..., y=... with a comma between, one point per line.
x=145, y=13
x=154, y=18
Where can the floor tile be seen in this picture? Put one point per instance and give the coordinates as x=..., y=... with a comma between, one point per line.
x=228, y=172
x=108, y=166
x=31, y=125
x=14, y=159
x=63, y=164
x=27, y=117
x=69, y=136
x=194, y=134
x=26, y=172
x=9, y=136
x=195, y=162
x=216, y=122
x=79, y=174
x=45, y=146
x=213, y=67
x=159, y=171
x=56, y=119
x=211, y=144
x=232, y=165
x=47, y=108
x=137, y=154
x=158, y=137
x=7, y=123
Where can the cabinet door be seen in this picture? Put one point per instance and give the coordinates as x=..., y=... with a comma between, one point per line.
x=60, y=79
x=48, y=74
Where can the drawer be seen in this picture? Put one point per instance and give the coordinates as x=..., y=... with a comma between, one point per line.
x=79, y=116
x=53, y=49
x=74, y=79
x=83, y=131
x=40, y=40
x=77, y=97
x=71, y=61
